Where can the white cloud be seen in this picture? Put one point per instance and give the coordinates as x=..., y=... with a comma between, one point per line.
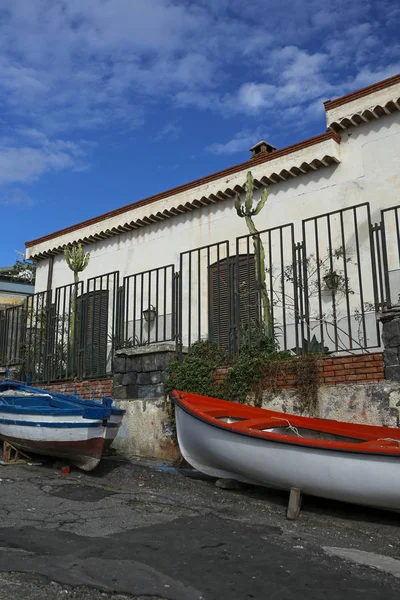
x=170, y=131
x=96, y=63
x=30, y=154
x=241, y=142
x=254, y=96
x=16, y=198
x=67, y=66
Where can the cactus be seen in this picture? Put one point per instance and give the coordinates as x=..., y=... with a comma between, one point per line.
x=247, y=212
x=76, y=259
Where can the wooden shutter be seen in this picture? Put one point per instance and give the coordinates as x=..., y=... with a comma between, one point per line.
x=50, y=358
x=234, y=301
x=247, y=300
x=92, y=325
x=3, y=337
x=220, y=302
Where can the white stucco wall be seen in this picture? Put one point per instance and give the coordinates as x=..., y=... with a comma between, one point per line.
x=368, y=171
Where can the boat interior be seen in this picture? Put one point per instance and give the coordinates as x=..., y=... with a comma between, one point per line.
x=24, y=399
x=292, y=430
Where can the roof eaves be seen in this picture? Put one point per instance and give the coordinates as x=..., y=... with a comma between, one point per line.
x=191, y=185
x=375, y=87
x=325, y=154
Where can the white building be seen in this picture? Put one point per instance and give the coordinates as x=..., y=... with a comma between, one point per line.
x=356, y=161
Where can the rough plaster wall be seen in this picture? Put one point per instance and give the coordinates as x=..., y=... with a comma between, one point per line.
x=42, y=272
x=372, y=404
x=145, y=430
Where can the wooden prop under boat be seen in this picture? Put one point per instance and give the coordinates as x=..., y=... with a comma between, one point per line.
x=59, y=425
x=331, y=459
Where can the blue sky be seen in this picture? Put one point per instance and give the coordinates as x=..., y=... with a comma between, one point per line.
x=105, y=102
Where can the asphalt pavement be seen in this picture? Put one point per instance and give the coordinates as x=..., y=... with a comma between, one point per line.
x=145, y=531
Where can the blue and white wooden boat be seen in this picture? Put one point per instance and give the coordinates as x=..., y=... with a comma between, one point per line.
x=60, y=425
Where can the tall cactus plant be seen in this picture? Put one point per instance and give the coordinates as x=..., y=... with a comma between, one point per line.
x=77, y=261
x=247, y=212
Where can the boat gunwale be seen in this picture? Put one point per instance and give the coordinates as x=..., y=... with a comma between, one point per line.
x=53, y=424
x=77, y=400
x=312, y=444
x=44, y=411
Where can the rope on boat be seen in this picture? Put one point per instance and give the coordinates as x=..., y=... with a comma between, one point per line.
x=389, y=440
x=290, y=426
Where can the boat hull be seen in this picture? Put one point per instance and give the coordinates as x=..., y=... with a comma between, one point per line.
x=113, y=426
x=79, y=442
x=366, y=479
x=60, y=425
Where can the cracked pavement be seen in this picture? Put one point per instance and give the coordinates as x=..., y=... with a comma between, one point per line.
x=141, y=530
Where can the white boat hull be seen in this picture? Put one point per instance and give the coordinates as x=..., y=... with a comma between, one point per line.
x=80, y=441
x=367, y=479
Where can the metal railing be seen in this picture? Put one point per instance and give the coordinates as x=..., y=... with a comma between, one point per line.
x=148, y=307
x=340, y=292
x=317, y=294
x=205, y=295
x=71, y=332
x=266, y=289
x=12, y=334
x=387, y=235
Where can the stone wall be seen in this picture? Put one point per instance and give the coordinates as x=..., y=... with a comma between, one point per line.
x=140, y=372
x=369, y=403
x=391, y=339
x=139, y=376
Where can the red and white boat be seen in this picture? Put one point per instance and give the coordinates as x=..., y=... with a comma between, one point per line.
x=330, y=459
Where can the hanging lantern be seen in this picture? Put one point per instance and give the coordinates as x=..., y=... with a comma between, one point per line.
x=149, y=314
x=332, y=280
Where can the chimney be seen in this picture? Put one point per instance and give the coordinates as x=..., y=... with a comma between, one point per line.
x=261, y=147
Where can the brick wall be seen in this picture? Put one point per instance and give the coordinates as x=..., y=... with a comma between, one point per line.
x=362, y=368
x=100, y=388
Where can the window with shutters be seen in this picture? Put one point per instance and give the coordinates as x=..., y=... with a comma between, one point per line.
x=92, y=326
x=234, y=307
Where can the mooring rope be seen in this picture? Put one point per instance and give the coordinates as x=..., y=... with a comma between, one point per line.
x=290, y=426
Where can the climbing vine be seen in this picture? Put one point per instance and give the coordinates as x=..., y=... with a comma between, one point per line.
x=250, y=373
x=196, y=373
x=307, y=369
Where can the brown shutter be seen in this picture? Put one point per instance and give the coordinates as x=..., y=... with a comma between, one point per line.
x=220, y=302
x=247, y=300
x=92, y=324
x=3, y=337
x=233, y=300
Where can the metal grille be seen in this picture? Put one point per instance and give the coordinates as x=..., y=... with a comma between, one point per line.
x=388, y=252
x=339, y=281
x=319, y=294
x=71, y=332
x=201, y=314
x=12, y=334
x=148, y=307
